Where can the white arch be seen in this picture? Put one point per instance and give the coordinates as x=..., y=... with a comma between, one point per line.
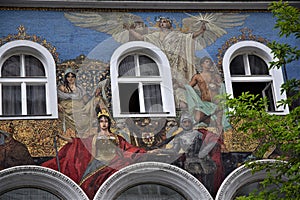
x=242, y=176
x=30, y=176
x=40, y=52
x=164, y=67
x=265, y=53
x=156, y=173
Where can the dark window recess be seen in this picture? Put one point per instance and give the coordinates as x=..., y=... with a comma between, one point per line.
x=258, y=66
x=264, y=89
x=129, y=98
x=237, y=66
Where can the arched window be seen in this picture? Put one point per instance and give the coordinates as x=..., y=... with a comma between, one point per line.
x=152, y=180
x=141, y=81
x=246, y=68
x=36, y=182
x=242, y=181
x=27, y=81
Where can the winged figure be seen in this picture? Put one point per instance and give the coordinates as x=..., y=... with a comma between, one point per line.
x=215, y=23
x=112, y=23
x=178, y=43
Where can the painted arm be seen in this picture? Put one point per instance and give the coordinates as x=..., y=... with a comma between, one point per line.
x=200, y=31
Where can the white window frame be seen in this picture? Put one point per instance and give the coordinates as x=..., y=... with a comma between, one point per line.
x=165, y=79
x=264, y=53
x=21, y=47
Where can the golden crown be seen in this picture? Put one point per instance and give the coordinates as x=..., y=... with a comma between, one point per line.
x=103, y=112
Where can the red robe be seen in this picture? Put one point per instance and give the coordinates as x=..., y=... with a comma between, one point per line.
x=74, y=158
x=216, y=156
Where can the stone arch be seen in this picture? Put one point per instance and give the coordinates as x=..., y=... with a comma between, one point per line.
x=170, y=176
x=39, y=178
x=239, y=178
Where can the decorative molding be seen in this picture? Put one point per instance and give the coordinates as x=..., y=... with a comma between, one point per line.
x=148, y=5
x=246, y=34
x=241, y=177
x=22, y=35
x=40, y=177
x=154, y=173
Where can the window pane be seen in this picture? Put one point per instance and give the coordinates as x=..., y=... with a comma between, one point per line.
x=267, y=92
x=11, y=100
x=11, y=67
x=127, y=66
x=261, y=88
x=152, y=97
x=33, y=66
x=258, y=66
x=129, y=98
x=237, y=66
x=150, y=191
x=148, y=67
x=36, y=100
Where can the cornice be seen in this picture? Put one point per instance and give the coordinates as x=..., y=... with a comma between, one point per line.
x=161, y=5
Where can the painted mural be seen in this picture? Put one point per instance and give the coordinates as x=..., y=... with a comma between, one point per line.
x=198, y=139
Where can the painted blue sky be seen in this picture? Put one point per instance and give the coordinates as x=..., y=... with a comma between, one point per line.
x=71, y=41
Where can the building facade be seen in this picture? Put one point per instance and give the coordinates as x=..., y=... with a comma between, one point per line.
x=156, y=68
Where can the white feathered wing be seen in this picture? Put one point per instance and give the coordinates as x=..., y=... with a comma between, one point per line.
x=215, y=23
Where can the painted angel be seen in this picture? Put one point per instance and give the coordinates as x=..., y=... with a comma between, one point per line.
x=178, y=43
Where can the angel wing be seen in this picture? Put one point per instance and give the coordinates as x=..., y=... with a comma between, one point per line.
x=215, y=23
x=107, y=22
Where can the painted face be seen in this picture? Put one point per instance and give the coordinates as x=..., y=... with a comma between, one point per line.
x=70, y=77
x=207, y=64
x=103, y=123
x=187, y=124
x=164, y=23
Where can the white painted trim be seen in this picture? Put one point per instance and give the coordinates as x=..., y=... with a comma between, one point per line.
x=164, y=68
x=155, y=173
x=239, y=178
x=40, y=177
x=173, y=5
x=40, y=52
x=265, y=53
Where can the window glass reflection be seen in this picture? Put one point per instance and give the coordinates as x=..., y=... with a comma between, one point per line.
x=127, y=66
x=148, y=67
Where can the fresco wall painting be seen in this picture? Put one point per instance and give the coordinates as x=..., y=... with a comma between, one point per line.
x=199, y=139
